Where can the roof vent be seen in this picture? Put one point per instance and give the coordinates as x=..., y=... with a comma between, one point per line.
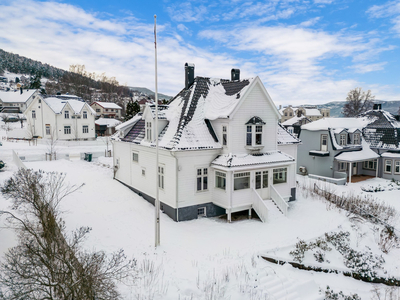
x=235, y=74
x=189, y=75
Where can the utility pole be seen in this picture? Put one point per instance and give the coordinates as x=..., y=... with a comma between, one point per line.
x=157, y=200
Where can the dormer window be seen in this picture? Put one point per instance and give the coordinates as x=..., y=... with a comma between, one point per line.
x=342, y=141
x=224, y=135
x=85, y=114
x=66, y=114
x=254, y=130
x=356, y=140
x=148, y=131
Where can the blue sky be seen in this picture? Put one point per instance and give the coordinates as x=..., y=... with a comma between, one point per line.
x=310, y=52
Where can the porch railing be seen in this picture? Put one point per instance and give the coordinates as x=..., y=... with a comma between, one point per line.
x=279, y=201
x=259, y=206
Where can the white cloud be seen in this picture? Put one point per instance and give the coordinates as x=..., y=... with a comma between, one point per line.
x=310, y=22
x=366, y=68
x=186, y=12
x=391, y=10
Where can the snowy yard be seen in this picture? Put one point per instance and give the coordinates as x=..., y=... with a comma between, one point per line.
x=205, y=258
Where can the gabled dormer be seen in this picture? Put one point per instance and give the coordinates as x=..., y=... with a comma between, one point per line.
x=149, y=115
x=341, y=136
x=355, y=135
x=254, y=133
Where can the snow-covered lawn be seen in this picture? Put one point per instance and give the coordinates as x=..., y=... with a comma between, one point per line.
x=204, y=258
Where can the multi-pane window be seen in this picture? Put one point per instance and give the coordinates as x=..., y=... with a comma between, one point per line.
x=280, y=175
x=324, y=142
x=342, y=141
x=148, y=131
x=47, y=129
x=241, y=181
x=220, y=180
x=85, y=114
x=388, y=166
x=370, y=164
x=342, y=166
x=66, y=114
x=67, y=129
x=98, y=110
x=249, y=135
x=201, y=212
x=356, y=139
x=161, y=174
x=202, y=179
x=258, y=135
x=397, y=167
x=135, y=156
x=33, y=114
x=261, y=179
x=224, y=136
x=85, y=129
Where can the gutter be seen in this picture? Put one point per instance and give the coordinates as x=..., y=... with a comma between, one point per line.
x=176, y=184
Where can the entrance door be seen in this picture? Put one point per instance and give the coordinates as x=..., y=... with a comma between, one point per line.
x=261, y=184
x=354, y=170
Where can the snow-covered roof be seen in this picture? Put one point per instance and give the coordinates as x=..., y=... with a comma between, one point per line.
x=107, y=121
x=107, y=105
x=237, y=160
x=335, y=123
x=130, y=122
x=390, y=155
x=312, y=112
x=284, y=137
x=16, y=96
x=293, y=120
x=352, y=156
x=57, y=104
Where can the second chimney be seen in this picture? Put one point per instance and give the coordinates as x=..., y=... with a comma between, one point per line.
x=235, y=74
x=189, y=75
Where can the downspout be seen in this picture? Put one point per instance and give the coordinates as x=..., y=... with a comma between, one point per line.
x=41, y=108
x=176, y=184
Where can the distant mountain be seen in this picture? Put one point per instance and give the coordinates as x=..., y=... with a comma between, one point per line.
x=337, y=107
x=149, y=92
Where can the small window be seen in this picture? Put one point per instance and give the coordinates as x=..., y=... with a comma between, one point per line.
x=220, y=180
x=397, y=167
x=258, y=135
x=161, y=174
x=342, y=166
x=324, y=142
x=85, y=129
x=241, y=181
x=201, y=212
x=388, y=166
x=85, y=114
x=98, y=110
x=135, y=156
x=285, y=114
x=148, y=131
x=356, y=139
x=290, y=114
x=67, y=129
x=224, y=136
x=47, y=129
x=202, y=179
x=342, y=141
x=249, y=135
x=143, y=172
x=106, y=109
x=33, y=114
x=280, y=175
x=369, y=164
x=66, y=114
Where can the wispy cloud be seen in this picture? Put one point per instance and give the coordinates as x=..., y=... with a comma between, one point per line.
x=390, y=10
x=366, y=68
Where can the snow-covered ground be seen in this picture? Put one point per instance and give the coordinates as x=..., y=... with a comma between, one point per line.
x=204, y=258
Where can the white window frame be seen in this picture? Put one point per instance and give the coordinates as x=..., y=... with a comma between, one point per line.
x=342, y=139
x=84, y=114
x=367, y=164
x=324, y=137
x=396, y=167
x=161, y=174
x=279, y=175
x=356, y=139
x=388, y=163
x=201, y=212
x=148, y=131
x=135, y=156
x=262, y=182
x=67, y=129
x=33, y=114
x=239, y=183
x=224, y=135
x=220, y=180
x=254, y=135
x=342, y=166
x=85, y=127
x=66, y=114
x=48, y=129
x=202, y=179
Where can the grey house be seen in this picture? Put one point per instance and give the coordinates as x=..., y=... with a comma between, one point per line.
x=339, y=148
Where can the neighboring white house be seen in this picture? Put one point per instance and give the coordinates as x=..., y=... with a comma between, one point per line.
x=218, y=151
x=17, y=101
x=107, y=109
x=61, y=117
x=106, y=126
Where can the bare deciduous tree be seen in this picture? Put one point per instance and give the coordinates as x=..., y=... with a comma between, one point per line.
x=46, y=264
x=357, y=102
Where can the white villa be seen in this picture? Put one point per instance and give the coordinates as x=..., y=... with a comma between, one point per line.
x=221, y=151
x=61, y=117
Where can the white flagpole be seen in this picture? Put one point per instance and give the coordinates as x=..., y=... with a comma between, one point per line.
x=157, y=200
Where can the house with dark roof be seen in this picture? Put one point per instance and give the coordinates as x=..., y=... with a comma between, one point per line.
x=221, y=151
x=340, y=148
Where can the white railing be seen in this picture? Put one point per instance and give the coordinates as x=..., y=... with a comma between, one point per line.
x=259, y=206
x=279, y=201
x=18, y=161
